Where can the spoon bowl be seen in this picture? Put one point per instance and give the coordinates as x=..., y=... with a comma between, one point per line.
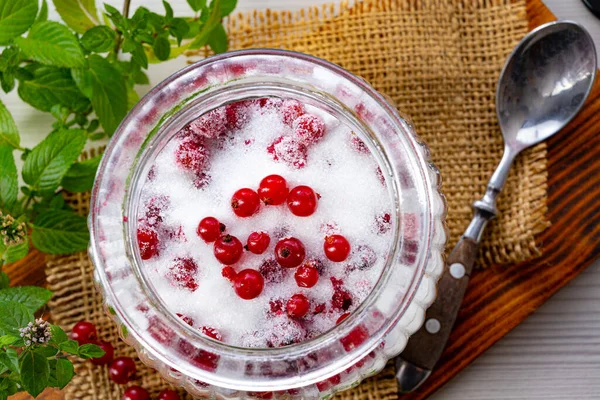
x=544, y=83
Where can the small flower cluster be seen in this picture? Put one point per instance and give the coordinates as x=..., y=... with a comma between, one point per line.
x=37, y=332
x=12, y=232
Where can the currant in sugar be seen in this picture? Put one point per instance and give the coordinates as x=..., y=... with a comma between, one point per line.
x=336, y=247
x=273, y=190
x=297, y=306
x=228, y=249
x=306, y=276
x=147, y=242
x=209, y=229
x=290, y=252
x=245, y=202
x=248, y=284
x=212, y=333
x=258, y=242
x=302, y=201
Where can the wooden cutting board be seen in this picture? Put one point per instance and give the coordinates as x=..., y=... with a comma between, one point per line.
x=498, y=299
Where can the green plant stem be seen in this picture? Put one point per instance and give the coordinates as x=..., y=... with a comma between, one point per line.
x=27, y=202
x=125, y=13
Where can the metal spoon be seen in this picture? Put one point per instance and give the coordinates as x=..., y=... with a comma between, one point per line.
x=542, y=86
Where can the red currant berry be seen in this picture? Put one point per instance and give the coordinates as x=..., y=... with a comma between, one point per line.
x=212, y=332
x=342, y=317
x=122, y=370
x=289, y=252
x=192, y=154
x=109, y=353
x=309, y=129
x=245, y=202
x=336, y=248
x=289, y=150
x=209, y=229
x=228, y=273
x=228, y=249
x=302, y=201
x=183, y=273
x=210, y=125
x=168, y=395
x=136, y=393
x=248, y=284
x=273, y=190
x=297, y=306
x=306, y=277
x=147, y=242
x=258, y=242
x=290, y=110
x=186, y=319
x=84, y=332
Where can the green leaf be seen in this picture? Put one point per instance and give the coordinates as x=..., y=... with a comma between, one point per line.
x=132, y=97
x=58, y=335
x=43, y=15
x=4, y=280
x=47, y=351
x=9, y=180
x=50, y=160
x=80, y=177
x=60, y=232
x=90, y=351
x=7, y=81
x=179, y=28
x=83, y=79
x=53, y=44
x=109, y=93
x=197, y=5
x=52, y=86
x=99, y=39
x=64, y=372
x=218, y=39
x=15, y=252
x=227, y=6
x=138, y=55
x=70, y=347
x=7, y=340
x=10, y=359
x=13, y=317
x=79, y=15
x=9, y=135
x=34, y=373
x=161, y=48
x=116, y=17
x=16, y=16
x=213, y=20
x=140, y=78
x=32, y=297
x=168, y=11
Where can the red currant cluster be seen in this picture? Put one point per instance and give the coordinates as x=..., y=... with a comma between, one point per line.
x=289, y=252
x=121, y=370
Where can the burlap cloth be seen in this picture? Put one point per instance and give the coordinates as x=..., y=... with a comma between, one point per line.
x=439, y=60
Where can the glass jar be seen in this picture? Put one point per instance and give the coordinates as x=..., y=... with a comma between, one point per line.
x=338, y=359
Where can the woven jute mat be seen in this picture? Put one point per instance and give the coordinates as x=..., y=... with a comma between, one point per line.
x=439, y=60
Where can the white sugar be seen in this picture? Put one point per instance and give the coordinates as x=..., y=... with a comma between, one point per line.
x=351, y=197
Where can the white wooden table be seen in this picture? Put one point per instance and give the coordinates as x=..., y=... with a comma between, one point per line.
x=555, y=354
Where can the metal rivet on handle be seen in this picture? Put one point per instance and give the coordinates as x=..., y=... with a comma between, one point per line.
x=433, y=326
x=457, y=270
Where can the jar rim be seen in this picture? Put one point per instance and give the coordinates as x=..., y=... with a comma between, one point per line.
x=429, y=185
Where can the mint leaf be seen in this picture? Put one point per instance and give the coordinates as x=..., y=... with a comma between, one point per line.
x=227, y=6
x=10, y=360
x=7, y=388
x=58, y=335
x=79, y=15
x=13, y=317
x=32, y=297
x=99, y=39
x=83, y=79
x=52, y=86
x=60, y=232
x=14, y=252
x=213, y=19
x=80, y=177
x=34, y=373
x=16, y=16
x=70, y=347
x=7, y=340
x=47, y=351
x=109, y=93
x=64, y=372
x=161, y=48
x=90, y=351
x=52, y=43
x=218, y=39
x=132, y=97
x=197, y=5
x=50, y=160
x=9, y=135
x=9, y=180
x=4, y=280
x=43, y=15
